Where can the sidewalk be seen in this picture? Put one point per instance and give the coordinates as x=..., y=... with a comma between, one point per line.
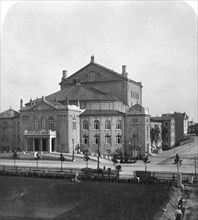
x=190, y=204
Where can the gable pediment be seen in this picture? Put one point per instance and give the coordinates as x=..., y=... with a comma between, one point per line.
x=95, y=72
x=42, y=105
x=136, y=109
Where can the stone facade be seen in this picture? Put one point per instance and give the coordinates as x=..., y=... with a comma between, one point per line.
x=108, y=81
x=109, y=131
x=137, y=131
x=181, y=125
x=9, y=130
x=49, y=126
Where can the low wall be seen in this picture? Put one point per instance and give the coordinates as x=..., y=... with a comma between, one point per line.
x=185, y=142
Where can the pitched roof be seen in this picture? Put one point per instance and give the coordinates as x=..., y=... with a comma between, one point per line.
x=176, y=115
x=100, y=112
x=100, y=66
x=163, y=118
x=78, y=92
x=10, y=113
x=104, y=68
x=36, y=102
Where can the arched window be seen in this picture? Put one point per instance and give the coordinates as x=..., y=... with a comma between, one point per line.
x=36, y=124
x=107, y=139
x=43, y=125
x=96, y=125
x=96, y=138
x=85, y=138
x=118, y=124
x=107, y=124
x=51, y=123
x=74, y=123
x=92, y=76
x=85, y=125
x=118, y=138
x=147, y=132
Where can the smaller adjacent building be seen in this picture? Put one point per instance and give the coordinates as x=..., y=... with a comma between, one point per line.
x=137, y=131
x=181, y=125
x=9, y=130
x=168, y=130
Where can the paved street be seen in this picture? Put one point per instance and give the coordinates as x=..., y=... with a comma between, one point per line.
x=161, y=162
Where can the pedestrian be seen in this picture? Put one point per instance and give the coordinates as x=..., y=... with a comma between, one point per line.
x=104, y=168
x=180, y=203
x=178, y=214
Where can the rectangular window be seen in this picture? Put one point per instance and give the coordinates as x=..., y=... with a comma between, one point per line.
x=74, y=125
x=96, y=139
x=107, y=139
x=85, y=139
x=118, y=139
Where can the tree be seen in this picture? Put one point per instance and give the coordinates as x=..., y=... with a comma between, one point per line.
x=86, y=158
x=146, y=161
x=155, y=134
x=118, y=170
x=114, y=159
x=177, y=162
x=164, y=134
x=126, y=157
x=62, y=159
x=37, y=158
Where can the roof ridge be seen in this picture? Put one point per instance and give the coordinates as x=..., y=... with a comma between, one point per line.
x=97, y=64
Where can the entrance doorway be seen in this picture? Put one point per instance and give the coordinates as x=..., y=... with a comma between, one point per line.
x=36, y=144
x=53, y=144
x=44, y=144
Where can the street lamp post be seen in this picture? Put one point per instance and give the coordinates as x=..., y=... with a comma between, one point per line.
x=131, y=149
x=73, y=150
x=139, y=156
x=177, y=162
x=98, y=137
x=146, y=161
x=195, y=167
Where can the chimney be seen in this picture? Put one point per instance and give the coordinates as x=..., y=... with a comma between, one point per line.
x=123, y=69
x=92, y=59
x=124, y=73
x=31, y=103
x=21, y=103
x=64, y=74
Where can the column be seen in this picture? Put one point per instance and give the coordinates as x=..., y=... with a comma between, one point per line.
x=55, y=145
x=33, y=143
x=25, y=144
x=41, y=145
x=49, y=144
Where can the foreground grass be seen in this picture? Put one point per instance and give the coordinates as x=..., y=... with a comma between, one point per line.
x=31, y=198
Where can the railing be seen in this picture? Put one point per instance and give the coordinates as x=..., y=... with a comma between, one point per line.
x=41, y=132
x=166, y=178
x=160, y=175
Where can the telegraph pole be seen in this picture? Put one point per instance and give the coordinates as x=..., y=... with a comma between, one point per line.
x=98, y=137
x=73, y=150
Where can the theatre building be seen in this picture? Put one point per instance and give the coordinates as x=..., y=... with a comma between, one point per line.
x=96, y=109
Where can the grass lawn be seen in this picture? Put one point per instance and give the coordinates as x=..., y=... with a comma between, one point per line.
x=32, y=198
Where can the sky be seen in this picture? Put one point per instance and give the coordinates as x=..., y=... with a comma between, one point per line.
x=156, y=40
